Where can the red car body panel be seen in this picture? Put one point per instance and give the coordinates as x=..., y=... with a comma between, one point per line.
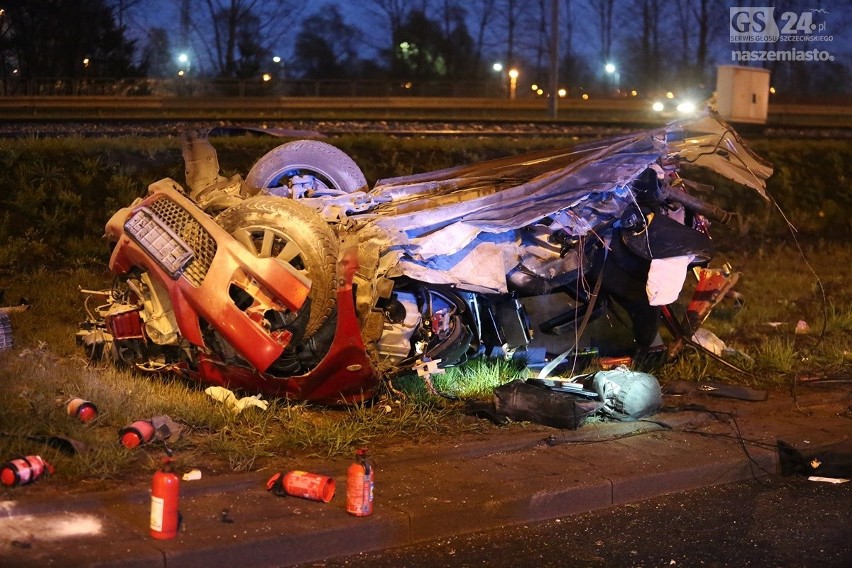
x=232, y=264
x=344, y=376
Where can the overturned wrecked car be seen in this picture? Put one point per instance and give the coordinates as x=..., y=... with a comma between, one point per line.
x=300, y=281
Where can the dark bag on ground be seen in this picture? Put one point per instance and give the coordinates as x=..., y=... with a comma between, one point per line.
x=524, y=402
x=627, y=395
x=834, y=460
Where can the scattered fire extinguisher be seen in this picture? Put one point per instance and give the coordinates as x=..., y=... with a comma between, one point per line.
x=165, y=494
x=23, y=470
x=359, y=485
x=136, y=434
x=313, y=486
x=83, y=410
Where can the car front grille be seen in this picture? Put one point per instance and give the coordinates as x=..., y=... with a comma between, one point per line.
x=185, y=226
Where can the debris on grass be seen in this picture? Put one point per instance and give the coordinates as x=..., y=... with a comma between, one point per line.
x=236, y=405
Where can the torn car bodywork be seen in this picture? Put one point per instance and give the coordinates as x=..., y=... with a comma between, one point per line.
x=309, y=285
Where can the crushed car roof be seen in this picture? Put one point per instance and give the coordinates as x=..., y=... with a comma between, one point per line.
x=453, y=224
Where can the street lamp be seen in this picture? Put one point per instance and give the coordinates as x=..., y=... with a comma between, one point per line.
x=497, y=68
x=513, y=83
x=611, y=69
x=183, y=64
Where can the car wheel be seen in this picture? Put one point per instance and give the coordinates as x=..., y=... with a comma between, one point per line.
x=305, y=168
x=295, y=234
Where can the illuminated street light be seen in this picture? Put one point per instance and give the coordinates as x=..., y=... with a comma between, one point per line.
x=562, y=93
x=611, y=69
x=183, y=64
x=513, y=83
x=267, y=77
x=276, y=59
x=497, y=67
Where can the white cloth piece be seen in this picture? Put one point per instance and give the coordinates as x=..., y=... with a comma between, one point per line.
x=665, y=279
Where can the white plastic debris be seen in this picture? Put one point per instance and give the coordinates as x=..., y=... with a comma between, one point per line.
x=835, y=480
x=708, y=340
x=235, y=404
x=192, y=475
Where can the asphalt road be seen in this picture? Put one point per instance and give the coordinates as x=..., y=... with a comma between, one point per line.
x=781, y=522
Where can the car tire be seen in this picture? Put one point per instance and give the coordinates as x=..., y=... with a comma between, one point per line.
x=295, y=234
x=334, y=171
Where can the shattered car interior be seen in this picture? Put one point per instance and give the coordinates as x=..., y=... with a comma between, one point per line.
x=301, y=281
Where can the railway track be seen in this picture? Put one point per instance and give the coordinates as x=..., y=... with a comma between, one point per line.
x=407, y=128
x=46, y=116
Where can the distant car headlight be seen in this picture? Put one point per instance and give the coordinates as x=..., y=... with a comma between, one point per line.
x=686, y=107
x=658, y=106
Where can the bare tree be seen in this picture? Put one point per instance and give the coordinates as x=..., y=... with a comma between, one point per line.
x=120, y=8
x=235, y=30
x=533, y=39
x=325, y=47
x=604, y=14
x=706, y=24
x=698, y=23
x=566, y=25
x=452, y=17
x=392, y=12
x=542, y=37
x=683, y=24
x=505, y=28
x=389, y=15
x=483, y=15
x=644, y=47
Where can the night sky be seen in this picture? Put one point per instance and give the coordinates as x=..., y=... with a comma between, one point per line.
x=835, y=14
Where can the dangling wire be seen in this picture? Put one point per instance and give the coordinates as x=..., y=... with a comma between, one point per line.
x=793, y=232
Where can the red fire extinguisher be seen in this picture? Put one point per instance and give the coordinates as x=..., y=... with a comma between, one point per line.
x=165, y=494
x=313, y=486
x=359, y=485
x=83, y=410
x=136, y=434
x=23, y=470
